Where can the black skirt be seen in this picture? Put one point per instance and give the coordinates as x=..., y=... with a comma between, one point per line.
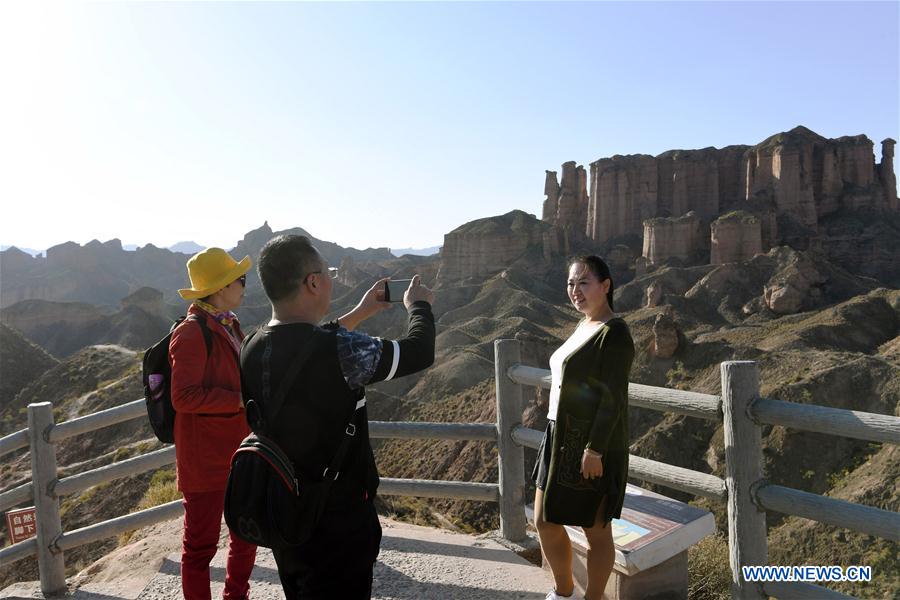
x=542, y=464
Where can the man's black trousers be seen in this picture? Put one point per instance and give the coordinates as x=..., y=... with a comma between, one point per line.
x=338, y=561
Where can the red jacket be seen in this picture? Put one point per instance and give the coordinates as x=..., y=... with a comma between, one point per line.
x=209, y=413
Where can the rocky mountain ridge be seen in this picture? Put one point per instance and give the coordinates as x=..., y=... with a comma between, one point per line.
x=104, y=273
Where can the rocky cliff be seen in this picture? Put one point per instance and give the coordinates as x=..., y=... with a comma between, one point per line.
x=673, y=238
x=566, y=203
x=735, y=237
x=488, y=246
x=793, y=182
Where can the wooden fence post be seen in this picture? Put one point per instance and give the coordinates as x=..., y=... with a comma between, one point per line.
x=43, y=475
x=743, y=462
x=511, y=456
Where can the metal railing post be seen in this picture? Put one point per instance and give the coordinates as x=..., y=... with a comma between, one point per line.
x=743, y=462
x=43, y=473
x=511, y=456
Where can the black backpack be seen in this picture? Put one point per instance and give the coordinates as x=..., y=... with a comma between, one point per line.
x=267, y=503
x=156, y=375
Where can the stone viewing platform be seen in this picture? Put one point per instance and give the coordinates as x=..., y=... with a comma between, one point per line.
x=421, y=563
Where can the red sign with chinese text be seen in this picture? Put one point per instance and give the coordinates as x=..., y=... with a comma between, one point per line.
x=22, y=524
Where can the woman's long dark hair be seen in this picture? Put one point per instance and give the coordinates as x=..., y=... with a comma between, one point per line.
x=600, y=270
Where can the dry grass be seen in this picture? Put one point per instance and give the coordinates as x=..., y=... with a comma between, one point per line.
x=709, y=576
x=162, y=489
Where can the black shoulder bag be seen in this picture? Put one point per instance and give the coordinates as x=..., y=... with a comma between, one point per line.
x=265, y=503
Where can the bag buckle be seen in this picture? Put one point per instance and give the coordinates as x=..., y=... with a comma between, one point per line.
x=351, y=430
x=325, y=474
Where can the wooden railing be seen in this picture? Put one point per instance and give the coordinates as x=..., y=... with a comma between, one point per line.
x=51, y=541
x=744, y=489
x=747, y=493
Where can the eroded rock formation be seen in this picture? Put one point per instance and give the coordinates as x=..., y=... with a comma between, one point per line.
x=735, y=237
x=791, y=182
x=566, y=203
x=654, y=294
x=665, y=336
x=668, y=238
x=488, y=246
x=796, y=286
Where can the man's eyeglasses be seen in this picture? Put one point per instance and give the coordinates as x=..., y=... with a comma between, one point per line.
x=332, y=273
x=243, y=280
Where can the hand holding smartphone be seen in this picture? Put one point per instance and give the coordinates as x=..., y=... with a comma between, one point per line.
x=394, y=289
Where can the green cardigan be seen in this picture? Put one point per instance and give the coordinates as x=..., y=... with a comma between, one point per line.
x=592, y=413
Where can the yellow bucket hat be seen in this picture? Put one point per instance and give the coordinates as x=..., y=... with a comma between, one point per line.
x=212, y=270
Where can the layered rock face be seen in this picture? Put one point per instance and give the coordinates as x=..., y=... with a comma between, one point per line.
x=624, y=194
x=886, y=173
x=566, y=204
x=796, y=285
x=667, y=238
x=688, y=181
x=488, y=246
x=735, y=237
x=797, y=177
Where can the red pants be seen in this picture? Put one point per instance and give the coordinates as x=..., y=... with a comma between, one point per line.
x=202, y=520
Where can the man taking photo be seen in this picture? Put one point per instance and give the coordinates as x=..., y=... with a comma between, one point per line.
x=327, y=394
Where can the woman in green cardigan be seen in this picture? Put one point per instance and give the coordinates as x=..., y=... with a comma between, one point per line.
x=583, y=459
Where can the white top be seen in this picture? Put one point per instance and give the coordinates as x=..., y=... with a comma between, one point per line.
x=582, y=333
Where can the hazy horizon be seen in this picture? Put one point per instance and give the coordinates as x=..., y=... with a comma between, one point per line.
x=391, y=124
x=425, y=251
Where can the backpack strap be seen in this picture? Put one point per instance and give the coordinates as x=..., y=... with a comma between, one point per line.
x=332, y=471
x=207, y=334
x=293, y=371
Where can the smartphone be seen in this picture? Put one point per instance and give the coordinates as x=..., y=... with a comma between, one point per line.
x=394, y=289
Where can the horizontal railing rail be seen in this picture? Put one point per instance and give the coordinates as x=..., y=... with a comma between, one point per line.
x=14, y=441
x=123, y=468
x=98, y=420
x=429, y=488
x=92, y=422
x=434, y=431
x=856, y=424
x=113, y=527
x=651, y=471
x=16, y=496
x=18, y=551
x=693, y=404
x=832, y=511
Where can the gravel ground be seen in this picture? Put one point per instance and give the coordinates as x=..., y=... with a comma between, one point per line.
x=416, y=563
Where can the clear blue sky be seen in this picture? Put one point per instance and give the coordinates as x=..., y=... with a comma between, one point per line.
x=390, y=124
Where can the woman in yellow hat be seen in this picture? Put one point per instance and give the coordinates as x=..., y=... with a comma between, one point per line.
x=209, y=417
